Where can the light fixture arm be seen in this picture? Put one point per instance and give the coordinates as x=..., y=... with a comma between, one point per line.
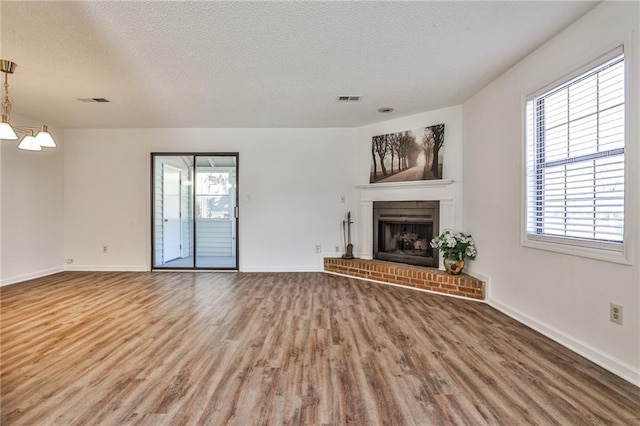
x=25, y=129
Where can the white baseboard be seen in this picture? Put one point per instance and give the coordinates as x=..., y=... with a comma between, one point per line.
x=107, y=268
x=31, y=275
x=145, y=268
x=606, y=361
x=281, y=269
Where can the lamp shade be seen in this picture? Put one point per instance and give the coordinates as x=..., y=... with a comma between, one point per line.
x=7, y=132
x=44, y=138
x=29, y=143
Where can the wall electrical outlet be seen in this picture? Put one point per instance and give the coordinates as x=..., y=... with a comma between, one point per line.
x=69, y=260
x=318, y=249
x=615, y=313
x=105, y=249
x=337, y=249
x=343, y=198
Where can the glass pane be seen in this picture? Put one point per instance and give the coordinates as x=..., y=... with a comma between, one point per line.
x=583, y=135
x=583, y=98
x=611, y=130
x=555, y=109
x=172, y=211
x=580, y=199
x=556, y=143
x=611, y=82
x=215, y=198
x=609, y=198
x=554, y=203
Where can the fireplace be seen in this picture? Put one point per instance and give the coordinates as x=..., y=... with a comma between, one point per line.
x=402, y=231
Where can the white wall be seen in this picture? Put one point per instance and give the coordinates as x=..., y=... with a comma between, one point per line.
x=32, y=211
x=452, y=148
x=293, y=177
x=565, y=297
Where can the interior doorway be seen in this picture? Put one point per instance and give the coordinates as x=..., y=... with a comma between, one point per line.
x=194, y=211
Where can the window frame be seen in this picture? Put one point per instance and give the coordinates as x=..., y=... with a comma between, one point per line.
x=605, y=251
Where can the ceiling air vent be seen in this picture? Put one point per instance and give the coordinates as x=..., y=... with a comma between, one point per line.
x=349, y=98
x=90, y=100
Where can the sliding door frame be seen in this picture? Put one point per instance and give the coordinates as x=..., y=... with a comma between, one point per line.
x=235, y=208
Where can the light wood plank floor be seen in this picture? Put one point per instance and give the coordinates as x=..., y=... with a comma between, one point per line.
x=284, y=348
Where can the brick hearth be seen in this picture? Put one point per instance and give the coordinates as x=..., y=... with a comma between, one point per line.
x=407, y=275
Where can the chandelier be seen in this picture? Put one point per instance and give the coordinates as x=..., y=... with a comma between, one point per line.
x=35, y=138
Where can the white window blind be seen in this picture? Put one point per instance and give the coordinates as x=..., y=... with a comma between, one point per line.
x=575, y=141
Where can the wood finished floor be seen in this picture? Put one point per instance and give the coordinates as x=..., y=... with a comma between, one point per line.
x=282, y=348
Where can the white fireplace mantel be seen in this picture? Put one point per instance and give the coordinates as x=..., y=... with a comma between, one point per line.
x=413, y=184
x=443, y=190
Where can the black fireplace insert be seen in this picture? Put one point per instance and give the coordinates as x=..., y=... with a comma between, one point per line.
x=403, y=230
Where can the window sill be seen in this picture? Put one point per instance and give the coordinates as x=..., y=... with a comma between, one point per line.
x=575, y=249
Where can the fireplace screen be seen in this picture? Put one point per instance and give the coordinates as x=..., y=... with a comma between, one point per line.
x=403, y=231
x=406, y=238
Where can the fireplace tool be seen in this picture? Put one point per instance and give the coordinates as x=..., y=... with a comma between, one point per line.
x=346, y=235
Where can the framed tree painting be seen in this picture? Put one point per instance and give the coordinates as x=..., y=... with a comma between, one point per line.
x=407, y=156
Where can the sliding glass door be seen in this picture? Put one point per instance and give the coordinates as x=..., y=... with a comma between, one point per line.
x=194, y=203
x=215, y=206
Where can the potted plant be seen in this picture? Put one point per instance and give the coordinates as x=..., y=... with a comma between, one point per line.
x=455, y=247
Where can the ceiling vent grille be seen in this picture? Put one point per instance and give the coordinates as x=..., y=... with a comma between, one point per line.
x=349, y=98
x=91, y=100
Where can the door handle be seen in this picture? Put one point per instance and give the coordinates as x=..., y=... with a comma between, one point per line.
x=236, y=211
x=166, y=220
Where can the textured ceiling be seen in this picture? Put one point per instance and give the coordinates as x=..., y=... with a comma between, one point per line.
x=261, y=64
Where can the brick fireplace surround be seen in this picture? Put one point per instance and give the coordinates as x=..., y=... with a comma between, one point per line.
x=418, y=277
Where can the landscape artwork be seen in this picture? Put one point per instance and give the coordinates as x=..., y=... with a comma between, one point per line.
x=407, y=156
